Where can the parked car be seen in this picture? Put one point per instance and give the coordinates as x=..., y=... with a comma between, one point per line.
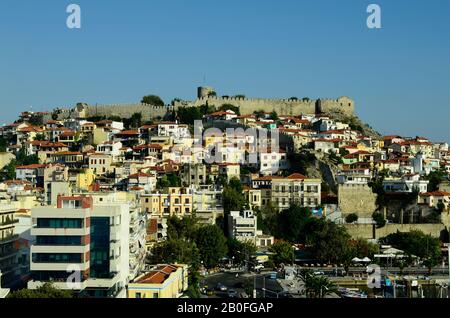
x=209, y=292
x=232, y=293
x=319, y=273
x=221, y=287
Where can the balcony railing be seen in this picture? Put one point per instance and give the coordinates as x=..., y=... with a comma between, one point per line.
x=7, y=254
x=9, y=222
x=9, y=238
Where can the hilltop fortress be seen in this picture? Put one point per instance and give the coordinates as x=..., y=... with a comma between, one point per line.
x=292, y=106
x=207, y=95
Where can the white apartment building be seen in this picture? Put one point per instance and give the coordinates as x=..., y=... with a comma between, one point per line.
x=243, y=226
x=173, y=129
x=270, y=162
x=110, y=148
x=207, y=204
x=81, y=246
x=407, y=183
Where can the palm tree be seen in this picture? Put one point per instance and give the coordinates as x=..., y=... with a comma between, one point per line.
x=321, y=286
x=316, y=286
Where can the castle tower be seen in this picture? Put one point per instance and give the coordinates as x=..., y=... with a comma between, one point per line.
x=204, y=91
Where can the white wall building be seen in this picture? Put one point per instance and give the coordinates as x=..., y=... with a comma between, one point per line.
x=243, y=225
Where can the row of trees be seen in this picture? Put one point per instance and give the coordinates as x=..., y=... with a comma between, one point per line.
x=190, y=243
x=325, y=240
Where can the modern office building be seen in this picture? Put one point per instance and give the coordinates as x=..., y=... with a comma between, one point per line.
x=81, y=246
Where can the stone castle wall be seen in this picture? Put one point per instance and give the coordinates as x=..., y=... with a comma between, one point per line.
x=281, y=106
x=122, y=110
x=247, y=106
x=357, y=198
x=366, y=231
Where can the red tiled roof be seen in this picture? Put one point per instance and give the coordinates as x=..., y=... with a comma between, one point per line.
x=435, y=194
x=296, y=176
x=139, y=174
x=33, y=166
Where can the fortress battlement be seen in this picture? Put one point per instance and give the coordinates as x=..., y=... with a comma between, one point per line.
x=206, y=95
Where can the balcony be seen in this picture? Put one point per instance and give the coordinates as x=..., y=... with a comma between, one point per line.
x=9, y=238
x=8, y=221
x=8, y=254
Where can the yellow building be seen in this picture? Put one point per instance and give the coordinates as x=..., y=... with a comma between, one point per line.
x=164, y=281
x=100, y=163
x=100, y=135
x=253, y=197
x=175, y=201
x=84, y=179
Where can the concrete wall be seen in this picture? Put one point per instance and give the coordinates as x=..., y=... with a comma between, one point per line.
x=366, y=230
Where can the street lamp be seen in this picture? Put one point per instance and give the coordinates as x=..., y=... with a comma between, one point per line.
x=273, y=292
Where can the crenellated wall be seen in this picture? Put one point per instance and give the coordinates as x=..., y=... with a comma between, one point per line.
x=122, y=110
x=292, y=107
x=281, y=106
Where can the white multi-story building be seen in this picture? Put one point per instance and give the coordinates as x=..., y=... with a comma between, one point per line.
x=408, y=183
x=173, y=129
x=243, y=226
x=270, y=162
x=207, y=203
x=82, y=246
x=110, y=148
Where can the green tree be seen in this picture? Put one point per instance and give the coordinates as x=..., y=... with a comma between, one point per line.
x=415, y=243
x=135, y=120
x=3, y=144
x=47, y=290
x=163, y=182
x=240, y=251
x=351, y=218
x=330, y=242
x=231, y=107
x=379, y=219
x=283, y=253
x=273, y=115
x=294, y=224
x=233, y=199
x=267, y=219
x=317, y=286
x=153, y=100
x=187, y=115
x=435, y=177
x=212, y=245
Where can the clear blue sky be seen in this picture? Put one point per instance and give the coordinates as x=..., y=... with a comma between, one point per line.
x=399, y=75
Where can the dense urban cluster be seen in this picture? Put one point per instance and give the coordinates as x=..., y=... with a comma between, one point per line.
x=109, y=206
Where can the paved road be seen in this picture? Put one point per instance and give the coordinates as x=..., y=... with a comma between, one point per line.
x=230, y=280
x=437, y=271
